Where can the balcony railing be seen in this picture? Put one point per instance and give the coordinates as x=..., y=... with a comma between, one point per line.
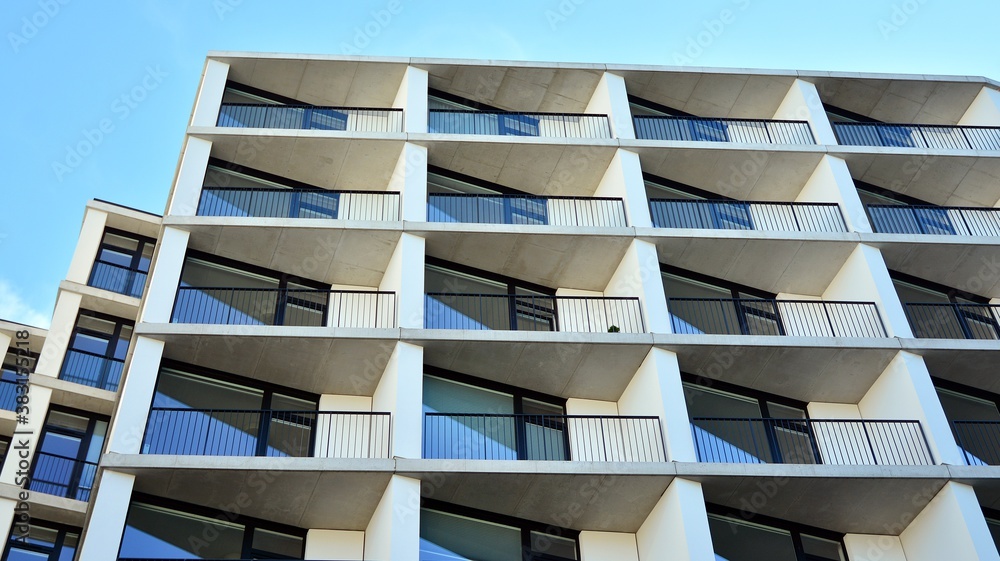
x=63, y=477
x=8, y=395
x=588, y=314
x=745, y=215
x=90, y=369
x=269, y=116
x=979, y=441
x=290, y=307
x=918, y=136
x=600, y=212
x=919, y=219
x=810, y=441
x=271, y=433
x=123, y=280
x=579, y=438
x=954, y=321
x=761, y=316
x=552, y=125
x=744, y=131
x=297, y=203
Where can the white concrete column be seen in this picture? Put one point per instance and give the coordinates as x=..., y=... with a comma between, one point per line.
x=678, y=524
x=24, y=442
x=87, y=246
x=109, y=509
x=410, y=179
x=802, y=103
x=623, y=180
x=871, y=547
x=638, y=274
x=608, y=546
x=400, y=392
x=64, y=317
x=904, y=391
x=166, y=276
x=394, y=531
x=405, y=276
x=209, y=100
x=831, y=182
x=950, y=527
x=136, y=398
x=7, y=516
x=412, y=99
x=865, y=278
x=984, y=111
x=335, y=544
x=656, y=389
x=190, y=177
x=5, y=341
x=611, y=98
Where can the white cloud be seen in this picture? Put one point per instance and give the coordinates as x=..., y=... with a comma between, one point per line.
x=14, y=308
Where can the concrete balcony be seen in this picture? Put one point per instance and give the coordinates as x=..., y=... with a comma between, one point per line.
x=740, y=131
x=310, y=117
x=935, y=137
x=509, y=123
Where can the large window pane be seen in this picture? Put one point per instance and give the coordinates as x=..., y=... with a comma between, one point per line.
x=448, y=537
x=153, y=532
x=276, y=543
x=470, y=432
x=736, y=540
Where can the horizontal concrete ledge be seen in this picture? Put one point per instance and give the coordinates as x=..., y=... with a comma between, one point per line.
x=419, y=228
x=48, y=507
x=671, y=340
x=426, y=138
x=133, y=463
x=961, y=345
x=416, y=466
x=291, y=223
x=697, y=470
x=209, y=132
x=125, y=212
x=707, y=145
x=466, y=335
x=218, y=330
x=76, y=395
x=653, y=234
x=114, y=298
x=881, y=240
x=841, y=150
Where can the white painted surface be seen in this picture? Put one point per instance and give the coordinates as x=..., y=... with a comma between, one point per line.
x=400, y=392
x=394, y=531
x=678, y=524
x=344, y=430
x=950, y=527
x=209, y=100
x=24, y=444
x=190, y=177
x=623, y=180
x=606, y=439
x=984, y=111
x=335, y=544
x=53, y=351
x=611, y=98
x=412, y=99
x=865, y=278
x=409, y=178
x=802, y=103
x=831, y=182
x=165, y=276
x=870, y=547
x=330, y=402
x=87, y=246
x=638, y=275
x=404, y=275
x=656, y=390
x=585, y=212
x=139, y=383
x=7, y=518
x=608, y=546
x=102, y=541
x=578, y=313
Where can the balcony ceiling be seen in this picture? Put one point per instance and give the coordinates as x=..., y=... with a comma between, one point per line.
x=965, y=262
x=312, y=157
x=545, y=90
x=321, y=82
x=972, y=363
x=946, y=180
x=931, y=102
x=733, y=95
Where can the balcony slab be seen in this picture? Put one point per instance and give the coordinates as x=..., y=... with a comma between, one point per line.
x=103, y=301
x=49, y=507
x=984, y=479
x=77, y=396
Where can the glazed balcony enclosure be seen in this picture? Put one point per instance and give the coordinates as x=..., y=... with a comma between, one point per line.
x=600, y=212
x=309, y=117
x=939, y=137
x=747, y=215
x=533, y=312
x=509, y=123
x=762, y=316
x=935, y=220
x=743, y=131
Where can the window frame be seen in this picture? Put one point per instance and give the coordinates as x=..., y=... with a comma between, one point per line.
x=86, y=437
x=296, y=188
x=55, y=551
x=743, y=311
x=795, y=529
x=956, y=297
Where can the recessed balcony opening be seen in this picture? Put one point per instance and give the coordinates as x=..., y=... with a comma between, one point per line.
x=735, y=538
x=896, y=213
x=854, y=129
x=43, y=541
x=122, y=263
x=974, y=416
x=97, y=350
x=65, y=464
x=935, y=311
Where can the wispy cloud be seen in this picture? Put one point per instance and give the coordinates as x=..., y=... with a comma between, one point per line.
x=13, y=307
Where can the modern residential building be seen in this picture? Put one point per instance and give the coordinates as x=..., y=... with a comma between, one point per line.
x=418, y=309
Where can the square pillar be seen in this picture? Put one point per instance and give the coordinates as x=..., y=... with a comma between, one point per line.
x=638, y=275
x=611, y=98
x=678, y=524
x=623, y=179
x=64, y=318
x=950, y=527
x=394, y=531
x=209, y=100
x=400, y=392
x=412, y=99
x=103, y=536
x=166, y=276
x=802, y=103
x=865, y=278
x=409, y=178
x=186, y=193
x=831, y=182
x=656, y=389
x=984, y=111
x=87, y=246
x=139, y=383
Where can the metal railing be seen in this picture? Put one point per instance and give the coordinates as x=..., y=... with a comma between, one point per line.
x=298, y=203
x=578, y=438
x=745, y=131
x=270, y=116
x=8, y=395
x=601, y=212
x=508, y=123
x=745, y=215
x=810, y=441
x=279, y=306
x=272, y=433
x=116, y=278
x=63, y=477
x=954, y=321
x=761, y=316
x=91, y=369
x=587, y=314
x=917, y=136
x=979, y=441
x=921, y=219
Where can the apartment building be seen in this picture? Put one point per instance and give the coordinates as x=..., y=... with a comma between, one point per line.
x=419, y=309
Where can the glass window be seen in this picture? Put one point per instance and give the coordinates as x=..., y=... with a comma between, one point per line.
x=449, y=537
x=737, y=540
x=156, y=532
x=42, y=543
x=821, y=548
x=459, y=300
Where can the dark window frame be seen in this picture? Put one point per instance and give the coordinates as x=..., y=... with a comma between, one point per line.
x=114, y=337
x=141, y=243
x=851, y=115
x=86, y=440
x=257, y=92
x=953, y=294
x=744, y=312
x=296, y=188
x=476, y=181
x=56, y=549
x=795, y=529
x=761, y=397
x=658, y=107
x=472, y=105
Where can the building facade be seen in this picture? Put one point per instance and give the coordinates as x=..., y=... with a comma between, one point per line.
x=424, y=309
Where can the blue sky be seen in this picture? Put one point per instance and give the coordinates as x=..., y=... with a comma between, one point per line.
x=68, y=63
